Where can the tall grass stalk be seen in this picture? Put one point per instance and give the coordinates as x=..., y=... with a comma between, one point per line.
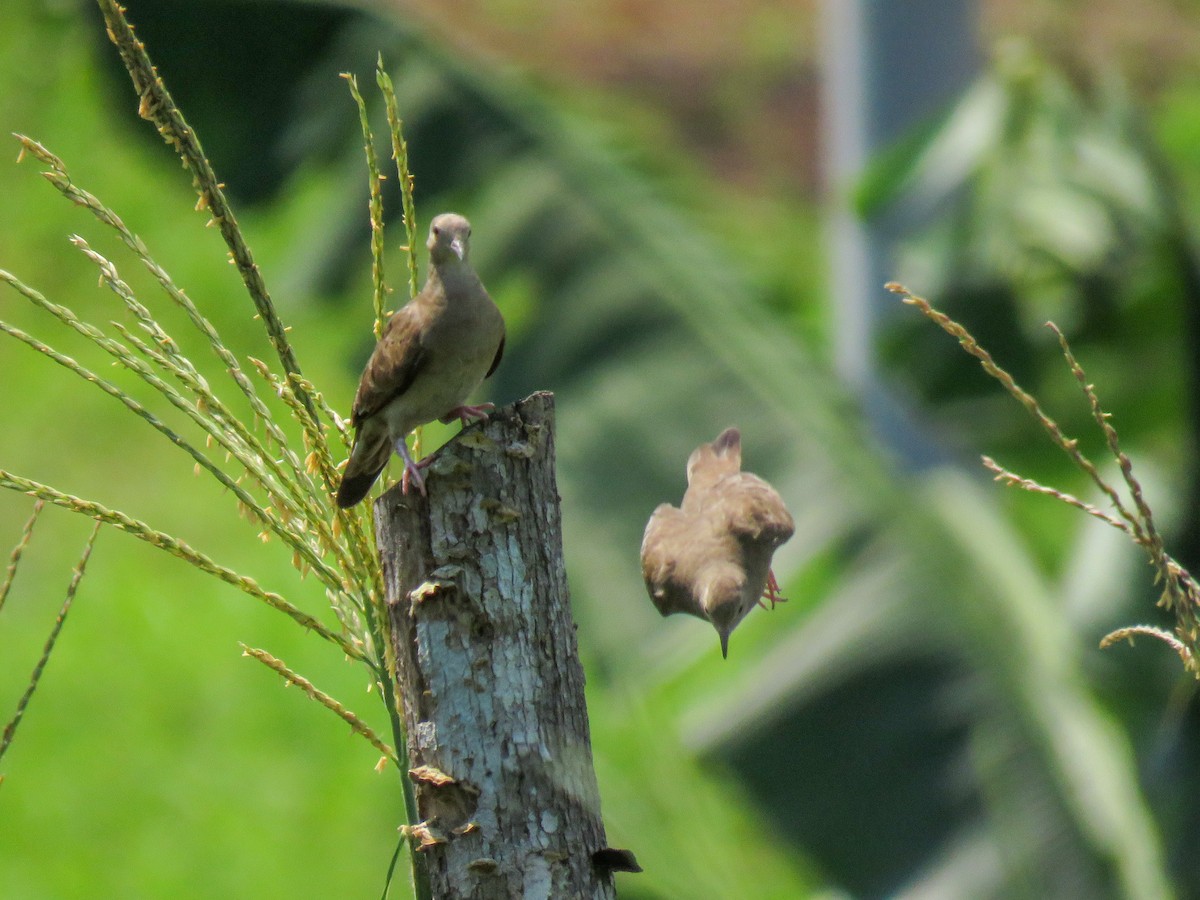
x=281, y=484
x=18, y=550
x=10, y=730
x=1180, y=594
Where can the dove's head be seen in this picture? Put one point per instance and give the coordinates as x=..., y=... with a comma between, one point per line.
x=712, y=461
x=449, y=238
x=723, y=595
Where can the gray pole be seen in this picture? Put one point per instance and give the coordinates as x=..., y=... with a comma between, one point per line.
x=889, y=66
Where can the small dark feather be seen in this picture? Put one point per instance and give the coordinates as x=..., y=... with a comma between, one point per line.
x=496, y=361
x=616, y=860
x=353, y=489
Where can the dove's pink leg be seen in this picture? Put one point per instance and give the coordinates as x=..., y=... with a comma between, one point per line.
x=771, y=591
x=412, y=470
x=468, y=413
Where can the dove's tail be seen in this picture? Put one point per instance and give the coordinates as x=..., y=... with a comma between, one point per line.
x=367, y=459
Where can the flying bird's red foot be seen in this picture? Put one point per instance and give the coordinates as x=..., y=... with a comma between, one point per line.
x=771, y=592
x=467, y=414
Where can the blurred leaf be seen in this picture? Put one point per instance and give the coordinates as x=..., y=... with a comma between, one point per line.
x=932, y=161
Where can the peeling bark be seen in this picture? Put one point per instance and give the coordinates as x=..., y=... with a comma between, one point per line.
x=488, y=668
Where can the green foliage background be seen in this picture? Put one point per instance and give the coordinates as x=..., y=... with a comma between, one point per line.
x=927, y=713
x=162, y=743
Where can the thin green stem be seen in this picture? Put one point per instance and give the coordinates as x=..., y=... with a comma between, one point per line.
x=10, y=729
x=1180, y=593
x=374, y=180
x=1070, y=446
x=155, y=105
x=1153, y=540
x=61, y=179
x=346, y=521
x=400, y=155
x=123, y=355
x=178, y=548
x=1014, y=480
x=14, y=559
x=357, y=725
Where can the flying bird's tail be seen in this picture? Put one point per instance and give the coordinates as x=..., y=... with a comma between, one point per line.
x=712, y=461
x=367, y=459
x=728, y=443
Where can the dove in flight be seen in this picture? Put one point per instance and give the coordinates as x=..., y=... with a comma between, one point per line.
x=710, y=557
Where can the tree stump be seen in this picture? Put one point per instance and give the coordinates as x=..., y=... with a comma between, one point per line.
x=488, y=668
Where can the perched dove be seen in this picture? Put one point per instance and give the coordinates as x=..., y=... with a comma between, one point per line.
x=711, y=557
x=433, y=353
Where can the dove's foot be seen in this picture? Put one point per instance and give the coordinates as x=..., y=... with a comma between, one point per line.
x=771, y=592
x=412, y=470
x=468, y=414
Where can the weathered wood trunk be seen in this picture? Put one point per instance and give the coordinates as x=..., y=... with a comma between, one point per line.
x=488, y=668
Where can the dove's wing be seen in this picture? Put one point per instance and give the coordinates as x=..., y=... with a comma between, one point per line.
x=661, y=547
x=394, y=365
x=752, y=509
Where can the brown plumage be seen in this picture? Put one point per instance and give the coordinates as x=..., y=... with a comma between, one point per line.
x=711, y=556
x=433, y=353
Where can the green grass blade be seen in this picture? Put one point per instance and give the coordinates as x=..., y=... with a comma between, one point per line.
x=14, y=559
x=379, y=294
x=10, y=729
x=178, y=548
x=357, y=725
x=400, y=155
x=156, y=105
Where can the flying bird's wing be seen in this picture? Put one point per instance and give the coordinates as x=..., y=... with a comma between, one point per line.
x=398, y=358
x=753, y=509
x=660, y=557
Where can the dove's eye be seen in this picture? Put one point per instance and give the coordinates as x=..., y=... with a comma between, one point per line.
x=436, y=231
